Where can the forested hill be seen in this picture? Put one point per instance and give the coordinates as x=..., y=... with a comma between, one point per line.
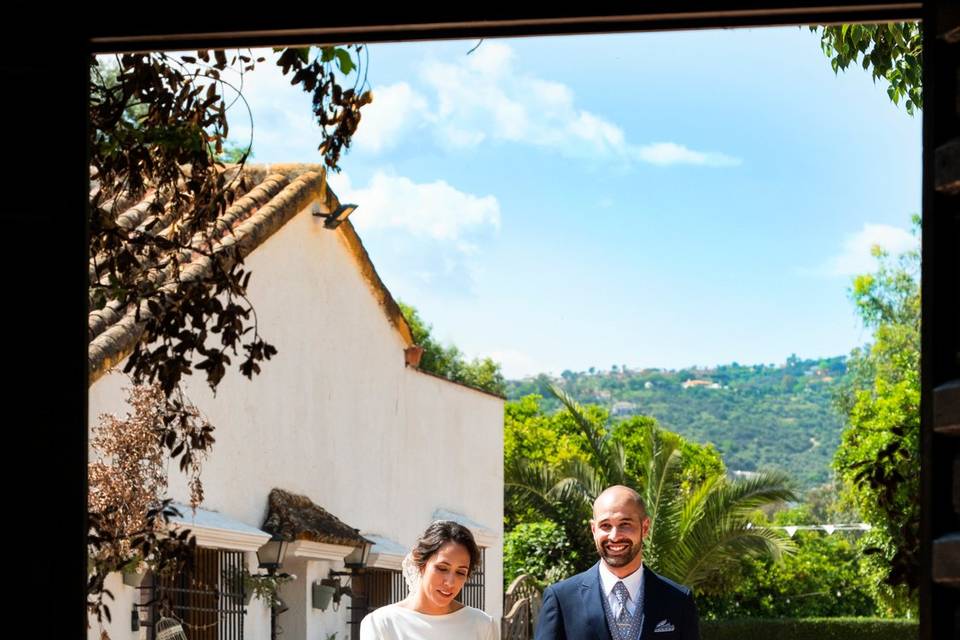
x=757, y=416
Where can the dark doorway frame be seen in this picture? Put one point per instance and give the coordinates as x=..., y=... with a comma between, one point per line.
x=52, y=75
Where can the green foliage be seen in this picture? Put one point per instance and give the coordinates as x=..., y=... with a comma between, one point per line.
x=700, y=462
x=810, y=629
x=877, y=454
x=538, y=549
x=891, y=51
x=234, y=153
x=826, y=503
x=553, y=441
x=448, y=362
x=263, y=586
x=823, y=577
x=481, y=373
x=158, y=127
x=266, y=587
x=531, y=434
x=696, y=532
x=696, y=538
x=758, y=416
x=826, y=575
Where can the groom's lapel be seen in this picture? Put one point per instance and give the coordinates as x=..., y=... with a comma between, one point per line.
x=594, y=617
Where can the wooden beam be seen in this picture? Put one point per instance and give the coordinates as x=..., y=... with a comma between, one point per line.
x=946, y=408
x=946, y=560
x=947, y=167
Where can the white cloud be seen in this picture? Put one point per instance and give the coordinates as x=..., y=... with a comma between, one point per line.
x=603, y=137
x=856, y=255
x=428, y=235
x=394, y=109
x=434, y=210
x=483, y=97
x=340, y=183
x=457, y=137
x=284, y=126
x=494, y=59
x=667, y=153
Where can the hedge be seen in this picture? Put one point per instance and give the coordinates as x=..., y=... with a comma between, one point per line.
x=809, y=629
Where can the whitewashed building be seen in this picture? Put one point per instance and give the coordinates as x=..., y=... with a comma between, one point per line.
x=339, y=421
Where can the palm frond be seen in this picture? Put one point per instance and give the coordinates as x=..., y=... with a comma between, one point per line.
x=533, y=486
x=694, y=505
x=662, y=481
x=594, y=439
x=718, y=532
x=662, y=494
x=739, y=499
x=589, y=479
x=706, y=552
x=608, y=457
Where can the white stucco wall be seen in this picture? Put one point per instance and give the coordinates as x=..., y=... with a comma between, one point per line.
x=121, y=608
x=337, y=416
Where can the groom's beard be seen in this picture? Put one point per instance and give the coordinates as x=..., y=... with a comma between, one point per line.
x=620, y=559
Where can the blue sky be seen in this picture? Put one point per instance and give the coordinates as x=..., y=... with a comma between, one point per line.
x=649, y=200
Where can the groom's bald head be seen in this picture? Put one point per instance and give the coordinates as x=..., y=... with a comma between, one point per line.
x=618, y=496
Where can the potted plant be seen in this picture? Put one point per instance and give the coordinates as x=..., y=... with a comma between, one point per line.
x=134, y=571
x=262, y=585
x=266, y=587
x=322, y=595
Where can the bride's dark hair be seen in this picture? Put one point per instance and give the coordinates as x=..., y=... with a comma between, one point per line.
x=440, y=533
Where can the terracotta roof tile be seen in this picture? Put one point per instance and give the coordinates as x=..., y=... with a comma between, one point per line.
x=281, y=191
x=296, y=517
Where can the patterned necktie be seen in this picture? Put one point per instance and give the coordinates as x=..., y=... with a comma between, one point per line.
x=624, y=621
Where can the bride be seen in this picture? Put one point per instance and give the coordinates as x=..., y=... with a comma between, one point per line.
x=436, y=571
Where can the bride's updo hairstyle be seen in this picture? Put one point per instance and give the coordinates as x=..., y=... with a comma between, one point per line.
x=440, y=533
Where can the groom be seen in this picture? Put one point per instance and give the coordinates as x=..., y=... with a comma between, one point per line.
x=618, y=598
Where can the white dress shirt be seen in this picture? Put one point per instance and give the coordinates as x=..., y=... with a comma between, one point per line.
x=633, y=583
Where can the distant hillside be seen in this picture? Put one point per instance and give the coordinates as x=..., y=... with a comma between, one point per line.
x=757, y=416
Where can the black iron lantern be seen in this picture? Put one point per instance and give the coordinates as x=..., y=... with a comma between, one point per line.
x=270, y=556
x=357, y=559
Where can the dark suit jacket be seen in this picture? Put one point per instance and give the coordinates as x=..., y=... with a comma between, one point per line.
x=572, y=609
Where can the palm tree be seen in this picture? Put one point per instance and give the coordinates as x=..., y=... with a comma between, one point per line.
x=695, y=535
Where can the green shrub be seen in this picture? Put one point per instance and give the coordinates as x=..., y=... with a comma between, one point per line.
x=538, y=549
x=809, y=629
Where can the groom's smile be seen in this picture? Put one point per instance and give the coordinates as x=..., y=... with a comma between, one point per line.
x=619, y=553
x=616, y=548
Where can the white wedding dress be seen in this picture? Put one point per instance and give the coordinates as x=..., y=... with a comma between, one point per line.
x=394, y=622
